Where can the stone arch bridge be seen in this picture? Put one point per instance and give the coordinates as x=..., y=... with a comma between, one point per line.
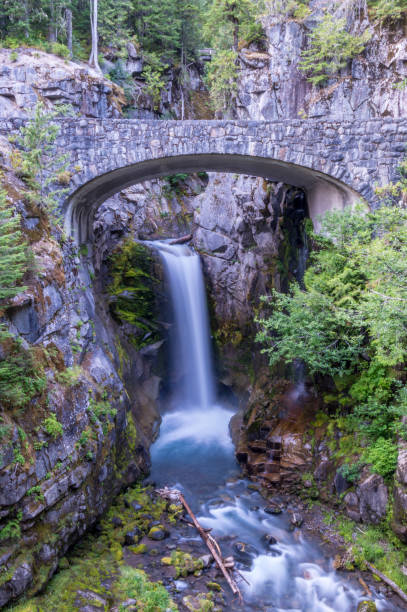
x=336, y=162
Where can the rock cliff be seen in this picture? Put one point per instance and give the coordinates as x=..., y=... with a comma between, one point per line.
x=29, y=75
x=272, y=87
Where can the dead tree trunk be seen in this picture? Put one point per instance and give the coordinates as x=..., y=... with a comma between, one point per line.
x=93, y=59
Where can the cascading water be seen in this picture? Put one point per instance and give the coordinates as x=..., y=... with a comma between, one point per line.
x=190, y=342
x=194, y=426
x=194, y=453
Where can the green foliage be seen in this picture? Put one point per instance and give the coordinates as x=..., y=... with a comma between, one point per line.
x=36, y=493
x=351, y=471
x=382, y=455
x=12, y=529
x=134, y=584
x=176, y=182
x=100, y=411
x=283, y=9
x=52, y=426
x=19, y=381
x=376, y=544
x=70, y=377
x=221, y=80
x=153, y=74
x=59, y=49
x=36, y=162
x=5, y=430
x=330, y=49
x=120, y=76
x=20, y=377
x=13, y=256
x=350, y=323
x=391, y=10
x=18, y=456
x=84, y=438
x=226, y=22
x=132, y=289
x=306, y=326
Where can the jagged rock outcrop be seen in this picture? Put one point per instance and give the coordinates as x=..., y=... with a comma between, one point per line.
x=86, y=433
x=399, y=523
x=272, y=87
x=29, y=75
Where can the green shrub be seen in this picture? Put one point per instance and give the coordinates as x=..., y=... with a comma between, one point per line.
x=12, y=530
x=331, y=47
x=36, y=492
x=52, y=426
x=382, y=10
x=351, y=471
x=36, y=161
x=58, y=49
x=282, y=9
x=150, y=596
x=221, y=80
x=349, y=325
x=5, y=430
x=20, y=378
x=153, y=73
x=84, y=438
x=382, y=456
x=100, y=410
x=18, y=456
x=70, y=377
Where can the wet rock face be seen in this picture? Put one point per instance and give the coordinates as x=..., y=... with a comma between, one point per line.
x=105, y=408
x=35, y=75
x=272, y=445
x=239, y=228
x=234, y=234
x=399, y=524
x=373, y=498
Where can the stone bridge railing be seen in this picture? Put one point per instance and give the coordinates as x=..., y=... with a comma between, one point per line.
x=331, y=160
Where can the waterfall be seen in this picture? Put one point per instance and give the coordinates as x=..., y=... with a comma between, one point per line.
x=190, y=341
x=194, y=453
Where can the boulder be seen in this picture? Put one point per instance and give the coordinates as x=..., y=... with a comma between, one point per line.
x=373, y=497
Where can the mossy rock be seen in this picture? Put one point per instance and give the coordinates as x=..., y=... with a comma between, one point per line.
x=198, y=603
x=132, y=291
x=184, y=563
x=367, y=606
x=140, y=549
x=214, y=586
x=158, y=533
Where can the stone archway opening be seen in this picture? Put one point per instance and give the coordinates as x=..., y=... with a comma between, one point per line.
x=323, y=191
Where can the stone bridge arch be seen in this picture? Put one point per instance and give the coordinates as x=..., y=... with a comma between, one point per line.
x=336, y=162
x=323, y=192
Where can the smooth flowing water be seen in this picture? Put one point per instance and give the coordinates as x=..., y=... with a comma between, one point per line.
x=194, y=453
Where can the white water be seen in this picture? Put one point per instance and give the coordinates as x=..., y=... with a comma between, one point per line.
x=194, y=453
x=190, y=347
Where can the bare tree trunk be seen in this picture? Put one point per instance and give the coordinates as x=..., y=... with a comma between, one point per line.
x=27, y=19
x=181, y=82
x=68, y=17
x=235, y=34
x=51, y=29
x=93, y=60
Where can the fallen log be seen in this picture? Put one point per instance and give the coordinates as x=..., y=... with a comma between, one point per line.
x=387, y=580
x=181, y=240
x=226, y=565
x=365, y=587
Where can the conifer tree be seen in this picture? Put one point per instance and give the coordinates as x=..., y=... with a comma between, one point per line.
x=13, y=257
x=227, y=21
